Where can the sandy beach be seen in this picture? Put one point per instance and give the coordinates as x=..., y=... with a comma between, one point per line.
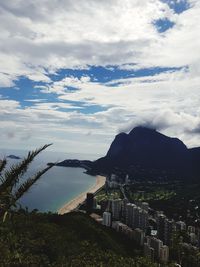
x=73, y=204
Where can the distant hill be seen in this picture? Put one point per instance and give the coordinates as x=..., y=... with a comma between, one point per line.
x=13, y=157
x=147, y=152
x=75, y=163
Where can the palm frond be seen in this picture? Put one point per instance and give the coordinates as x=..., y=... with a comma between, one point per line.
x=11, y=176
x=29, y=182
x=2, y=164
x=2, y=179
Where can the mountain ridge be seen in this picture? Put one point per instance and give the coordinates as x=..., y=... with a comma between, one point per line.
x=144, y=153
x=150, y=149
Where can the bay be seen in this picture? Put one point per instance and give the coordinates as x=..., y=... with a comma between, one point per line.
x=56, y=187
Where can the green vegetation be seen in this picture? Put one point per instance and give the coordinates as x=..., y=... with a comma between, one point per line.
x=149, y=192
x=110, y=194
x=178, y=200
x=157, y=195
x=187, y=255
x=36, y=239
x=184, y=205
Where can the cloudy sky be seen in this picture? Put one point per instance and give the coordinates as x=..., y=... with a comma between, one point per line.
x=77, y=72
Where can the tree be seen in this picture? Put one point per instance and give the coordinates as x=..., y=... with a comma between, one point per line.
x=11, y=188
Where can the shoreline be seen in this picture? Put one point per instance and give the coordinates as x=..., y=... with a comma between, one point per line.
x=74, y=203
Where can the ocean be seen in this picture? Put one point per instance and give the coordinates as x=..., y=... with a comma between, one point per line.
x=56, y=187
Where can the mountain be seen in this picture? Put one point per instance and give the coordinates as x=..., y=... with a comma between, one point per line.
x=146, y=151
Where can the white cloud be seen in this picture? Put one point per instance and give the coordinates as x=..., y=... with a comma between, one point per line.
x=129, y=102
x=9, y=105
x=40, y=37
x=56, y=34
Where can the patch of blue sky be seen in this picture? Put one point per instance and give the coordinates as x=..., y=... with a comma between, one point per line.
x=162, y=25
x=153, y=71
x=84, y=109
x=72, y=89
x=27, y=93
x=179, y=6
x=145, y=73
x=24, y=90
x=108, y=73
x=28, y=96
x=96, y=73
x=91, y=109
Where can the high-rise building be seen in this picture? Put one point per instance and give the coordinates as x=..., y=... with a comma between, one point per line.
x=168, y=231
x=116, y=208
x=161, y=226
x=180, y=226
x=143, y=219
x=136, y=217
x=89, y=202
x=144, y=206
x=148, y=252
x=104, y=205
x=138, y=236
x=127, y=180
x=130, y=214
x=161, y=252
x=107, y=219
x=156, y=244
x=193, y=238
x=113, y=177
x=124, y=203
x=122, y=228
x=164, y=254
x=191, y=229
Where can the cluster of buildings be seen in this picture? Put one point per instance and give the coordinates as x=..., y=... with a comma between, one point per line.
x=153, y=232
x=133, y=221
x=149, y=229
x=167, y=227
x=114, y=181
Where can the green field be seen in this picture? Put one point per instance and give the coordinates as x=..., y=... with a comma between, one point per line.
x=110, y=194
x=156, y=195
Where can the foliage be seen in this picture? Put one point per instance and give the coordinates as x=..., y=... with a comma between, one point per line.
x=11, y=187
x=104, y=194
x=186, y=254
x=179, y=200
x=36, y=239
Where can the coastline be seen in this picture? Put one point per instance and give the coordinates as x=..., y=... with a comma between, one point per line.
x=74, y=203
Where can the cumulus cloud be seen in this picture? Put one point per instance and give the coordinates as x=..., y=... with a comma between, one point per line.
x=38, y=38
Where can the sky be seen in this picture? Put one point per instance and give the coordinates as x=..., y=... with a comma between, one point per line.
x=77, y=72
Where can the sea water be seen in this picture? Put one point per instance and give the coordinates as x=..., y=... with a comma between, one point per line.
x=56, y=187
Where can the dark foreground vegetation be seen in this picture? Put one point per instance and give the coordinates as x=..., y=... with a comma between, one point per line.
x=36, y=239
x=73, y=240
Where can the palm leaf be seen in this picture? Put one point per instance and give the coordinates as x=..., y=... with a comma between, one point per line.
x=11, y=176
x=2, y=164
x=23, y=188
